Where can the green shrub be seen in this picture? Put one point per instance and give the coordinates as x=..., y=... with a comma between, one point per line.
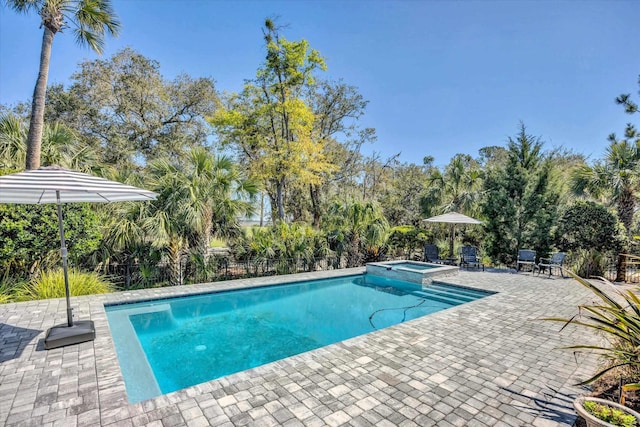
x=31, y=237
x=588, y=262
x=8, y=286
x=405, y=239
x=609, y=414
x=50, y=284
x=5, y=294
x=588, y=226
x=591, y=233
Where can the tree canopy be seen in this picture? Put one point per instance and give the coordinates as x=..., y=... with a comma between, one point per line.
x=296, y=139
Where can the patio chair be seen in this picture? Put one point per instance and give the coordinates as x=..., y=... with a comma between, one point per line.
x=469, y=257
x=556, y=261
x=432, y=254
x=526, y=257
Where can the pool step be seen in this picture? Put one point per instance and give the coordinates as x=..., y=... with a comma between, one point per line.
x=153, y=321
x=433, y=296
x=451, y=295
x=458, y=290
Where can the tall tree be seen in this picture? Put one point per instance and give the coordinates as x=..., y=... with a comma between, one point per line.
x=458, y=189
x=90, y=19
x=629, y=105
x=377, y=174
x=337, y=108
x=123, y=107
x=616, y=180
x=520, y=204
x=401, y=201
x=272, y=125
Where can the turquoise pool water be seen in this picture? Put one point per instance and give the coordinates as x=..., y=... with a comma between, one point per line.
x=169, y=344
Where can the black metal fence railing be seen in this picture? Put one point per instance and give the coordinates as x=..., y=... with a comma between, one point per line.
x=587, y=265
x=135, y=276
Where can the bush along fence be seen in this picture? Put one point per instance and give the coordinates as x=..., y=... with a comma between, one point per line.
x=191, y=271
x=615, y=268
x=134, y=276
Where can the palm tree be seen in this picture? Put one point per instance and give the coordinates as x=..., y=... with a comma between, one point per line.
x=125, y=241
x=618, y=177
x=60, y=146
x=198, y=199
x=13, y=136
x=91, y=19
x=293, y=243
x=357, y=229
x=458, y=189
x=209, y=193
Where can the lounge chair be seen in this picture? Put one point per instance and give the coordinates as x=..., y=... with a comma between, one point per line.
x=556, y=261
x=469, y=257
x=431, y=254
x=526, y=257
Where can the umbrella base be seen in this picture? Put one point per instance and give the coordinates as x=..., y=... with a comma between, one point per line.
x=62, y=335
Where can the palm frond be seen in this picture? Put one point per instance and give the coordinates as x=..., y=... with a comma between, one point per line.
x=617, y=318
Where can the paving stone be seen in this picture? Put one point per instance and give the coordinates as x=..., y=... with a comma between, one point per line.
x=241, y=419
x=226, y=401
x=337, y=419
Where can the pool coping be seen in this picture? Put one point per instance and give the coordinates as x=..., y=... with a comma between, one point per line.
x=487, y=362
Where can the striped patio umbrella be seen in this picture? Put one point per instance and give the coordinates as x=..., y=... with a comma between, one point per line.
x=53, y=184
x=453, y=218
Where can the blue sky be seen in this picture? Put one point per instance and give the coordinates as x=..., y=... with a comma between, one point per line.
x=441, y=77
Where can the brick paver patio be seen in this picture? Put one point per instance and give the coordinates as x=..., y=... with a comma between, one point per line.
x=485, y=363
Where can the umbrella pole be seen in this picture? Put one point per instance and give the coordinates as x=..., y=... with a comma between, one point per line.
x=451, y=237
x=63, y=252
x=71, y=333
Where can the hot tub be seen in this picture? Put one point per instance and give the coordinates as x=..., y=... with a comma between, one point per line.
x=411, y=271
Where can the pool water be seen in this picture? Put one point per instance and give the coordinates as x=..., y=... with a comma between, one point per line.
x=413, y=265
x=169, y=344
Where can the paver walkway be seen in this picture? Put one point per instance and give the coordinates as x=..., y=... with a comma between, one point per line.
x=485, y=363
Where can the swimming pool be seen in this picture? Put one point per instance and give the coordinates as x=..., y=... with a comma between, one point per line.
x=169, y=344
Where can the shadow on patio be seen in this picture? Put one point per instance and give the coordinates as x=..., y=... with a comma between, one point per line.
x=13, y=340
x=556, y=406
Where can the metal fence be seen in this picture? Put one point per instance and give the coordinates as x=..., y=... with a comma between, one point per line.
x=607, y=267
x=133, y=276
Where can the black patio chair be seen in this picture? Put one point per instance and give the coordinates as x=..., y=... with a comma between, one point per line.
x=432, y=254
x=469, y=257
x=556, y=261
x=526, y=257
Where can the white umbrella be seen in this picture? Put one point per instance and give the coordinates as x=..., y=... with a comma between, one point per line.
x=53, y=184
x=453, y=218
